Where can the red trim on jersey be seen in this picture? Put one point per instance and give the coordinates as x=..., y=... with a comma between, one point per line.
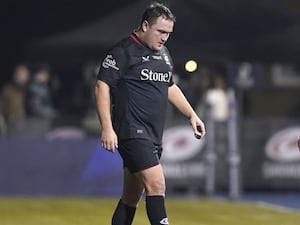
x=136, y=40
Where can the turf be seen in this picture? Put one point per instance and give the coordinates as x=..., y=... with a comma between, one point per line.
x=97, y=211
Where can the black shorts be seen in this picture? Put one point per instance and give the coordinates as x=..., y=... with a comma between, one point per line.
x=139, y=154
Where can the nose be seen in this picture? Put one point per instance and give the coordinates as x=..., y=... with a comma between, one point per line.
x=165, y=37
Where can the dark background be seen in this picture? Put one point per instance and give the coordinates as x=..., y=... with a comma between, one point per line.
x=263, y=31
x=23, y=22
x=259, y=31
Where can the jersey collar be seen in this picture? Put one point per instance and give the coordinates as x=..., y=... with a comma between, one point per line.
x=136, y=39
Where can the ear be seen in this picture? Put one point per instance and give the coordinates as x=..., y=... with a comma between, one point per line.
x=145, y=25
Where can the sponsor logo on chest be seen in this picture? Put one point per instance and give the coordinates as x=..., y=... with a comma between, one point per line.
x=155, y=57
x=147, y=74
x=146, y=58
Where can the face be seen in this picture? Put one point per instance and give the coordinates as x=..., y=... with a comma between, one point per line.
x=157, y=34
x=21, y=75
x=42, y=76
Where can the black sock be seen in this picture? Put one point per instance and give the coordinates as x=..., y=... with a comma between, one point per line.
x=123, y=214
x=156, y=211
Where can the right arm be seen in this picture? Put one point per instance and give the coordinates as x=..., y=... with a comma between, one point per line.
x=111, y=68
x=109, y=138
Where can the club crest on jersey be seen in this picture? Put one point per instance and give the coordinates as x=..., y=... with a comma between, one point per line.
x=167, y=60
x=109, y=62
x=146, y=58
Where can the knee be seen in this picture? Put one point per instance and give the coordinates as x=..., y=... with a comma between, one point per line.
x=132, y=198
x=156, y=187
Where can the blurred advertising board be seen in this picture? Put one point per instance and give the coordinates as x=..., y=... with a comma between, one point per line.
x=182, y=158
x=245, y=75
x=270, y=156
x=41, y=166
x=270, y=160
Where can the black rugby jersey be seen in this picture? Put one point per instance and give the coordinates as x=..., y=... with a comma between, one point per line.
x=138, y=79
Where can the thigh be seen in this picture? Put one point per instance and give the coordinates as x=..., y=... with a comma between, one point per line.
x=139, y=154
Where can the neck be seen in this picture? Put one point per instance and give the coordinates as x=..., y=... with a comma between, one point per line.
x=141, y=37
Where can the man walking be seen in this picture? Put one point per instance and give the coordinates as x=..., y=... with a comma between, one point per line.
x=135, y=84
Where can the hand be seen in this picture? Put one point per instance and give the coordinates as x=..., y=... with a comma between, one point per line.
x=109, y=139
x=198, y=126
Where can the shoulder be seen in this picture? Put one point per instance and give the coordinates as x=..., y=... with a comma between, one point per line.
x=118, y=52
x=166, y=56
x=121, y=46
x=115, y=62
x=165, y=50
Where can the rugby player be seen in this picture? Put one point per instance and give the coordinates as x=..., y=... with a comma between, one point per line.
x=133, y=88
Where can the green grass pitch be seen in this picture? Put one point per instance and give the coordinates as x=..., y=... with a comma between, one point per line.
x=98, y=211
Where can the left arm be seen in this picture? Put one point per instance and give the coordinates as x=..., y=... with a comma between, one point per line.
x=176, y=98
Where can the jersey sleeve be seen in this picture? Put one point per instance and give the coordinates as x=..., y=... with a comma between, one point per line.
x=113, y=66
